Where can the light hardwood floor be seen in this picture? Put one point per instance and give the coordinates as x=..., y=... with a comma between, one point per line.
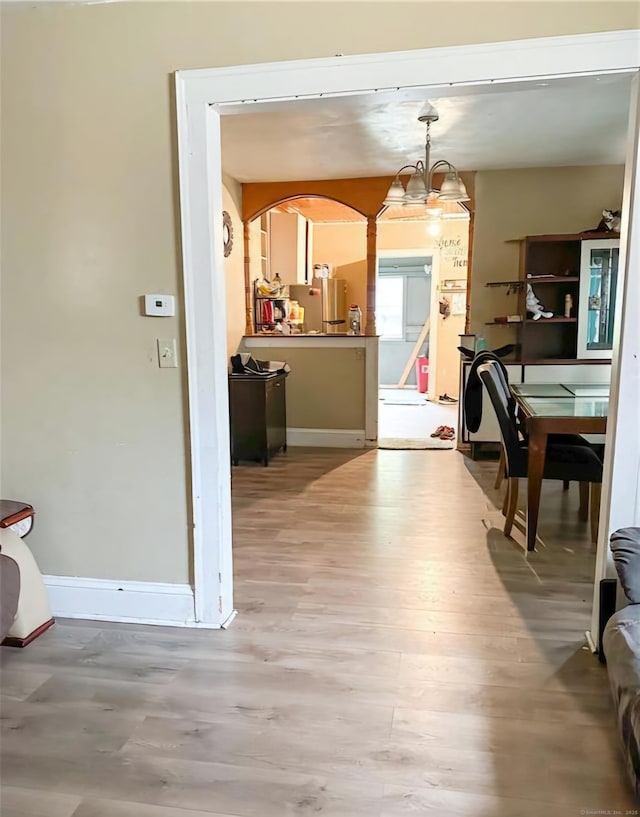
x=393, y=655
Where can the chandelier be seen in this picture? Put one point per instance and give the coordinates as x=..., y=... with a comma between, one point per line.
x=420, y=189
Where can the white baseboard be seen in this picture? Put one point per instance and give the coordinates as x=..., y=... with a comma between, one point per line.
x=326, y=437
x=133, y=602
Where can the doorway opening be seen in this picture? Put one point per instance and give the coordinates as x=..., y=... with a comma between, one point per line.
x=198, y=126
x=403, y=317
x=422, y=301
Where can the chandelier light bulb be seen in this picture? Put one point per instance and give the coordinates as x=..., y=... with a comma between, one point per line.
x=434, y=228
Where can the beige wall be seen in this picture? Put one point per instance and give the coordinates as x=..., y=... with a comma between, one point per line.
x=234, y=267
x=412, y=235
x=452, y=265
x=344, y=246
x=515, y=203
x=90, y=223
x=326, y=387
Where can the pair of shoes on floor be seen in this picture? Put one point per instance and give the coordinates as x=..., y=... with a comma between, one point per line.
x=444, y=432
x=444, y=398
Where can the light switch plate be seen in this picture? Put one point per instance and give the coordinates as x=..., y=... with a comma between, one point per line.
x=167, y=355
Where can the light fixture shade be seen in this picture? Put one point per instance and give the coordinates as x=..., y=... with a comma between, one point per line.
x=416, y=189
x=395, y=194
x=453, y=189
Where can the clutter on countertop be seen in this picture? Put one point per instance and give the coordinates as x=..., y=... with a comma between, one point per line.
x=245, y=364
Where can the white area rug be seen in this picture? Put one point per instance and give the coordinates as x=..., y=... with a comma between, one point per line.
x=416, y=401
x=408, y=398
x=412, y=422
x=404, y=443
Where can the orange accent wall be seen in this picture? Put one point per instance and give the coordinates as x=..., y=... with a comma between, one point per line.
x=364, y=195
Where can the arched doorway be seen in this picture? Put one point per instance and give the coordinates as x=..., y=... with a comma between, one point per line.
x=291, y=247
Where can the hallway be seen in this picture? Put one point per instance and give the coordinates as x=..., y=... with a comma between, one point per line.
x=393, y=655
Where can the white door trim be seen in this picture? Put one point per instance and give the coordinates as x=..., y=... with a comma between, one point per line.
x=483, y=63
x=200, y=201
x=206, y=343
x=620, y=504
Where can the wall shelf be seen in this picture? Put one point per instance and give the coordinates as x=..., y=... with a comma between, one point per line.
x=552, y=238
x=503, y=323
x=504, y=284
x=551, y=320
x=558, y=361
x=553, y=279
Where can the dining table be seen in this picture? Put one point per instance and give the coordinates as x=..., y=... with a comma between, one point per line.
x=555, y=408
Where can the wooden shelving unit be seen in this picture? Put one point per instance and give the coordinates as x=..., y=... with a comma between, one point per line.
x=551, y=265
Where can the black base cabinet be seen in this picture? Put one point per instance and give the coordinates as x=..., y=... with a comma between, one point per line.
x=258, y=414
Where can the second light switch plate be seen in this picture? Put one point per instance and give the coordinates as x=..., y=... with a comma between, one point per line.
x=167, y=355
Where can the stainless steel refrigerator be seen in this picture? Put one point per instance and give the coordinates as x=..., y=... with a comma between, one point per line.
x=325, y=305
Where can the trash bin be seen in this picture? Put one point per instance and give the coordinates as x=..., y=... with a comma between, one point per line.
x=422, y=373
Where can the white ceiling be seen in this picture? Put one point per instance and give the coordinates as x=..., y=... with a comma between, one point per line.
x=578, y=121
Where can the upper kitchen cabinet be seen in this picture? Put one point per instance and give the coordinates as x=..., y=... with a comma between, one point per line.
x=598, y=291
x=288, y=247
x=264, y=221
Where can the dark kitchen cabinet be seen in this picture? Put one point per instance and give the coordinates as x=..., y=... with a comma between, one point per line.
x=258, y=412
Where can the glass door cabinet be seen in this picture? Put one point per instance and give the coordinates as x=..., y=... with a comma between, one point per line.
x=597, y=301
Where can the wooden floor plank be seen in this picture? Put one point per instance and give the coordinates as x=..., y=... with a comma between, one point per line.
x=17, y=802
x=114, y=808
x=393, y=654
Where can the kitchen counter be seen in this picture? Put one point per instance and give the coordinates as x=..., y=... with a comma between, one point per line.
x=332, y=390
x=309, y=340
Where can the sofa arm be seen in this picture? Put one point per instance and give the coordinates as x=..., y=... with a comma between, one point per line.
x=625, y=546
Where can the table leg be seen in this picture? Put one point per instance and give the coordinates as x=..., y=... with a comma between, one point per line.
x=537, y=452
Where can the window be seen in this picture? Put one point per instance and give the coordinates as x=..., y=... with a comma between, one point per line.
x=390, y=307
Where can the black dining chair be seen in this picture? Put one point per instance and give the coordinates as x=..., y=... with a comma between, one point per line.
x=555, y=439
x=566, y=439
x=564, y=461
